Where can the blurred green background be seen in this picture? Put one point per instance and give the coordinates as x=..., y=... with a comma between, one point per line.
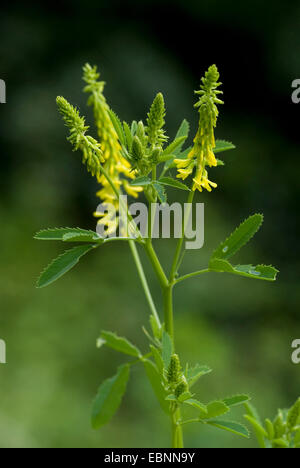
x=242, y=328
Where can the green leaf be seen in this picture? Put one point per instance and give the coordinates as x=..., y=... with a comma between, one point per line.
x=174, y=148
x=239, y=237
x=184, y=396
x=158, y=359
x=196, y=404
x=220, y=162
x=173, y=183
x=161, y=193
x=261, y=272
x=59, y=233
x=155, y=380
x=63, y=264
x=183, y=130
x=231, y=426
x=118, y=126
x=214, y=409
x=74, y=237
x=118, y=344
x=141, y=181
x=171, y=397
x=109, y=397
x=236, y=400
x=293, y=415
x=270, y=429
x=256, y=424
x=222, y=145
x=259, y=429
x=281, y=443
x=193, y=374
x=167, y=349
x=128, y=135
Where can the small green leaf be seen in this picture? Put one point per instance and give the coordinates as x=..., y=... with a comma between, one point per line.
x=63, y=264
x=222, y=145
x=239, y=237
x=220, y=162
x=236, y=400
x=184, y=396
x=109, y=397
x=155, y=380
x=141, y=181
x=161, y=193
x=128, y=135
x=173, y=183
x=270, y=429
x=193, y=374
x=281, y=443
x=59, y=233
x=196, y=404
x=119, y=344
x=214, y=409
x=118, y=126
x=256, y=424
x=230, y=426
x=158, y=359
x=261, y=272
x=167, y=349
x=74, y=237
x=293, y=415
x=171, y=398
x=183, y=130
x=259, y=429
x=174, y=147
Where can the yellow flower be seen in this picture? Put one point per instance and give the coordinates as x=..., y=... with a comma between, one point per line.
x=116, y=165
x=202, y=153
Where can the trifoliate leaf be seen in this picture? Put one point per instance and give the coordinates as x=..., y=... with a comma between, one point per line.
x=63, y=264
x=109, y=397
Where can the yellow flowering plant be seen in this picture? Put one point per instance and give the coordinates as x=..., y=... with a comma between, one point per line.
x=138, y=160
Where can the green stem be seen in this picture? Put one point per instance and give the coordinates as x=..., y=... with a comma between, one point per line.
x=191, y=275
x=168, y=310
x=144, y=282
x=163, y=280
x=177, y=438
x=174, y=267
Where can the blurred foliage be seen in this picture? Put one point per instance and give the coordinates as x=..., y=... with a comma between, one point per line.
x=242, y=329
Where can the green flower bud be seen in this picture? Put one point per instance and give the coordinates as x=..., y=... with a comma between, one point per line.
x=173, y=374
x=181, y=388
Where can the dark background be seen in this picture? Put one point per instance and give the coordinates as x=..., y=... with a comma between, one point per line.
x=242, y=328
